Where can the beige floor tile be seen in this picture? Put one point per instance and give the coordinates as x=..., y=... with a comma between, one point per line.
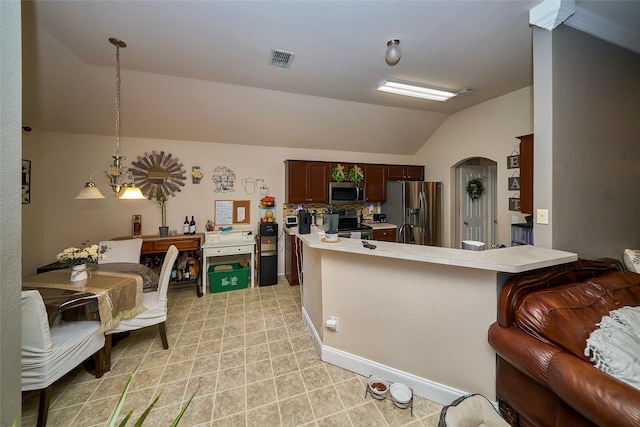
x=248, y=357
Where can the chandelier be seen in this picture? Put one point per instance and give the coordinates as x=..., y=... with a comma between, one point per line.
x=116, y=172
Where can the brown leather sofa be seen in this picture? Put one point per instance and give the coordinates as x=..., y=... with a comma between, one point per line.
x=543, y=377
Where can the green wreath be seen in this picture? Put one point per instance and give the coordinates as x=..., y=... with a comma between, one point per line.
x=475, y=188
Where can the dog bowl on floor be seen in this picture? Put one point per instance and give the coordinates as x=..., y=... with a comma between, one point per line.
x=401, y=395
x=378, y=386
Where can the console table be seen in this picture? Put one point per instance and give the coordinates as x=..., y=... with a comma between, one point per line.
x=187, y=244
x=225, y=243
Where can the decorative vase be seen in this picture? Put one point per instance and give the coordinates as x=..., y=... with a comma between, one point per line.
x=79, y=272
x=164, y=231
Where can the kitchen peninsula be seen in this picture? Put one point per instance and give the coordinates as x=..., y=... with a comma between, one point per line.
x=414, y=314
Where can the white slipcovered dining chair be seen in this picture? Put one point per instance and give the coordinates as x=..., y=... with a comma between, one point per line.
x=127, y=250
x=48, y=353
x=156, y=308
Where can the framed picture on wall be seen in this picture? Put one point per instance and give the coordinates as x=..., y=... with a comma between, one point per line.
x=26, y=182
x=513, y=162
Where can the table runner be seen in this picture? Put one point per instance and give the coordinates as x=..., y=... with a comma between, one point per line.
x=119, y=295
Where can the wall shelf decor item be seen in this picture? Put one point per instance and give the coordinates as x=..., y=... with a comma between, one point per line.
x=514, y=203
x=158, y=171
x=224, y=179
x=196, y=174
x=26, y=182
x=228, y=212
x=513, y=161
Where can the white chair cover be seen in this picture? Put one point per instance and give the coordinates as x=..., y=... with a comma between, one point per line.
x=49, y=353
x=122, y=251
x=154, y=302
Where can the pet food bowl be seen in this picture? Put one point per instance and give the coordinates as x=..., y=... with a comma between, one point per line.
x=378, y=386
x=401, y=395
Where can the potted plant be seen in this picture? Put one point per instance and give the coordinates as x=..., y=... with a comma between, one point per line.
x=161, y=198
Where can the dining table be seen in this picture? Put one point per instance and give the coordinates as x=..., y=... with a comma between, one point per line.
x=118, y=295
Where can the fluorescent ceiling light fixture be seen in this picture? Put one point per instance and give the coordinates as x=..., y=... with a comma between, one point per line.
x=410, y=89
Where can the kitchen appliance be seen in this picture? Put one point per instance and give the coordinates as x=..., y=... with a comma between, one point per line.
x=304, y=222
x=416, y=208
x=345, y=192
x=268, y=250
x=349, y=226
x=380, y=218
x=331, y=218
x=291, y=221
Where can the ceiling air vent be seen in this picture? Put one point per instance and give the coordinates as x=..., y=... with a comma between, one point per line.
x=281, y=58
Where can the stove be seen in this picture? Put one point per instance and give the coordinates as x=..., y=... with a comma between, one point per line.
x=348, y=223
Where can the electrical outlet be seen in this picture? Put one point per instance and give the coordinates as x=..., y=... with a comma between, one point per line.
x=542, y=216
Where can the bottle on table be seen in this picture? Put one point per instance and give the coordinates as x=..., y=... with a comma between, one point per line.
x=185, y=226
x=192, y=226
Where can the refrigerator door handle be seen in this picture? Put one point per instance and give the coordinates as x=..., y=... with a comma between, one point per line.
x=423, y=217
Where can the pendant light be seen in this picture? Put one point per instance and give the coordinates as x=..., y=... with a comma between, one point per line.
x=117, y=171
x=393, y=53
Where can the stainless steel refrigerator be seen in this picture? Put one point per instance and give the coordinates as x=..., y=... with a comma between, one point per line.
x=416, y=208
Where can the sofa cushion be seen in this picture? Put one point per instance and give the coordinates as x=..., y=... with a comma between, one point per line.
x=622, y=286
x=566, y=315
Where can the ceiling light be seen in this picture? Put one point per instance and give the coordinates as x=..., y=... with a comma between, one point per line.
x=417, y=91
x=116, y=172
x=393, y=53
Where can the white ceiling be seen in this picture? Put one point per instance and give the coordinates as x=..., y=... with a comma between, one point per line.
x=199, y=70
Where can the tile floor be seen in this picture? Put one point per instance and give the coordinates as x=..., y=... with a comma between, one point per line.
x=249, y=357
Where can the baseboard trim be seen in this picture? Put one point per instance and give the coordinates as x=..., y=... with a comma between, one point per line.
x=422, y=387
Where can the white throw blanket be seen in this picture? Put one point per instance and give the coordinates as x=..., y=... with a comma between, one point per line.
x=614, y=347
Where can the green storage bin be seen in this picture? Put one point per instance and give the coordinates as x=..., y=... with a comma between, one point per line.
x=222, y=281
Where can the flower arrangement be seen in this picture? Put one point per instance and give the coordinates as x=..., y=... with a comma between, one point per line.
x=83, y=255
x=475, y=188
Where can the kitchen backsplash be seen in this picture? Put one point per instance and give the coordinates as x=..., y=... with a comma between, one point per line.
x=367, y=209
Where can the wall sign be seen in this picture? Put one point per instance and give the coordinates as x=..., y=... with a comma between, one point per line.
x=514, y=203
x=514, y=183
x=513, y=161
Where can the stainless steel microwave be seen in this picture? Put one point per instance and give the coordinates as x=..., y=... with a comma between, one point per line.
x=345, y=192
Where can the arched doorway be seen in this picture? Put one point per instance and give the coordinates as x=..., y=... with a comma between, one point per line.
x=474, y=219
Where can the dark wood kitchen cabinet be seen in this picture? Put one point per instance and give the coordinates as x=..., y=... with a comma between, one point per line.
x=405, y=173
x=526, y=173
x=375, y=183
x=291, y=259
x=385, y=234
x=306, y=181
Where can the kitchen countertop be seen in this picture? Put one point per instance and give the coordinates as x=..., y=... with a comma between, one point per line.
x=515, y=259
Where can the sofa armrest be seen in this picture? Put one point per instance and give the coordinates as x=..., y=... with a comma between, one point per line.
x=529, y=355
x=598, y=396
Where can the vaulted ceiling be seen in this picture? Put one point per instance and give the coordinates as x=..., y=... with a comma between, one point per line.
x=200, y=70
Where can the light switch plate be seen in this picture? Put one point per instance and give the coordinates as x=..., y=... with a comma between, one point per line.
x=542, y=216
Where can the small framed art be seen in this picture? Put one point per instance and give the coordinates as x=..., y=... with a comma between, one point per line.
x=26, y=182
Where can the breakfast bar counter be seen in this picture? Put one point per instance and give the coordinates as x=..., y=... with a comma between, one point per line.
x=412, y=314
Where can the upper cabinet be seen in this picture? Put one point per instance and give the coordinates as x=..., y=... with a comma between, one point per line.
x=526, y=173
x=375, y=183
x=405, y=173
x=306, y=181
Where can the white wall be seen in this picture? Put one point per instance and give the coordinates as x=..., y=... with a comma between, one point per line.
x=10, y=218
x=487, y=130
x=63, y=162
